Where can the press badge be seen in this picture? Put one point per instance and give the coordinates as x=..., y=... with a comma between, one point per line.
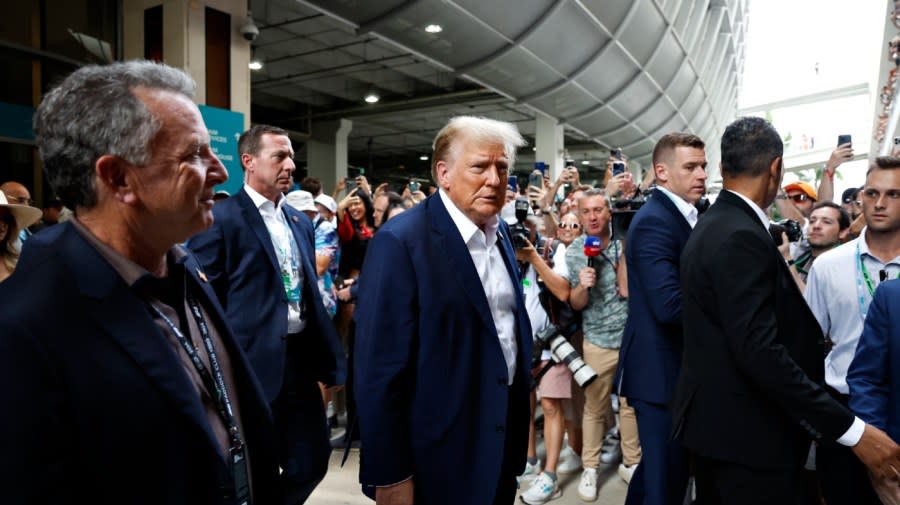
x=291, y=286
x=240, y=477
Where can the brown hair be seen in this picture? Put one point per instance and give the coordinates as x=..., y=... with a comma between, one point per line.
x=670, y=141
x=884, y=163
x=251, y=139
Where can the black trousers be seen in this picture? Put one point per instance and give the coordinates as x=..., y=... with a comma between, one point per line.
x=511, y=466
x=302, y=433
x=726, y=483
x=843, y=478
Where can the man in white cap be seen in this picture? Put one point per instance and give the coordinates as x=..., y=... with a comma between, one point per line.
x=303, y=201
x=13, y=217
x=326, y=244
x=327, y=208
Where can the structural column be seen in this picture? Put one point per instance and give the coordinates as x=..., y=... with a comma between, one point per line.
x=184, y=42
x=549, y=144
x=326, y=151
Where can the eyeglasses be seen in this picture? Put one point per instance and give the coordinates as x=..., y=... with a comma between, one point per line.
x=799, y=197
x=21, y=200
x=573, y=226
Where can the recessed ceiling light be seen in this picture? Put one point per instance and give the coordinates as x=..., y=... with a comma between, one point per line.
x=424, y=157
x=371, y=97
x=434, y=29
x=255, y=65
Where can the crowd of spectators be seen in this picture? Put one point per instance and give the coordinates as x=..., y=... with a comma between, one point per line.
x=597, y=267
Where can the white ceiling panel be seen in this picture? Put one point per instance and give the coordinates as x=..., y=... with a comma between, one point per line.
x=643, y=31
x=621, y=72
x=561, y=40
x=609, y=73
x=668, y=59
x=517, y=72
x=568, y=100
x=636, y=96
x=510, y=22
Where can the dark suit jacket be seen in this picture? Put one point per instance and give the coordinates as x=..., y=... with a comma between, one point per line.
x=650, y=358
x=97, y=405
x=749, y=390
x=240, y=262
x=431, y=381
x=874, y=375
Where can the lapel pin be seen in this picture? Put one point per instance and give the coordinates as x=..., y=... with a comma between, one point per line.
x=294, y=219
x=202, y=275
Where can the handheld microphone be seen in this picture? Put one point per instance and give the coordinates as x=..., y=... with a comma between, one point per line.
x=592, y=248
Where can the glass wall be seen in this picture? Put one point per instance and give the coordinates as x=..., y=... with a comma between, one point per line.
x=42, y=41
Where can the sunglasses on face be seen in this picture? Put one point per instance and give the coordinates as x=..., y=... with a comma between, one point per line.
x=800, y=197
x=573, y=226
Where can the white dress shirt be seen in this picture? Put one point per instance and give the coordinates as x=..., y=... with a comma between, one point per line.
x=498, y=286
x=686, y=209
x=833, y=294
x=287, y=253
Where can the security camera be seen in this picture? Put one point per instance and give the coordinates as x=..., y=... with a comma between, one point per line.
x=249, y=30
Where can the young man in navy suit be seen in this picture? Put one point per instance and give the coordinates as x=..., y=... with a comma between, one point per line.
x=260, y=257
x=443, y=346
x=650, y=358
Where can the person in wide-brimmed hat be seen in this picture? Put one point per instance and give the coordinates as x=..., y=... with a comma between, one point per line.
x=13, y=218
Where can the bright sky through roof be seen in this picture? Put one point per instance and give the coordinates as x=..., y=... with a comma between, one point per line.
x=800, y=47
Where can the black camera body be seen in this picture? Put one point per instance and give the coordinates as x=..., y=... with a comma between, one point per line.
x=789, y=227
x=519, y=235
x=519, y=231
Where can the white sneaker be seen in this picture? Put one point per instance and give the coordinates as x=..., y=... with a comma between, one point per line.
x=626, y=471
x=569, y=461
x=587, y=488
x=531, y=471
x=542, y=490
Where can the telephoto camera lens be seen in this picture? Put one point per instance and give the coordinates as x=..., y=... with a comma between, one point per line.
x=563, y=352
x=551, y=338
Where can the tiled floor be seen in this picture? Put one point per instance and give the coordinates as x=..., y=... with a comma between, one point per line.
x=341, y=485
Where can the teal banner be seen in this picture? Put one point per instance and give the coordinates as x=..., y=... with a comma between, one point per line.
x=225, y=127
x=15, y=121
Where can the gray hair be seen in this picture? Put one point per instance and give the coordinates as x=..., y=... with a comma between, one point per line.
x=592, y=192
x=93, y=113
x=477, y=129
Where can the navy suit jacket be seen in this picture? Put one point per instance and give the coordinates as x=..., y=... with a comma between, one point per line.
x=650, y=358
x=430, y=377
x=874, y=375
x=97, y=404
x=240, y=262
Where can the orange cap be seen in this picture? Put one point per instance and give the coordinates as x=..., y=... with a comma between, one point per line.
x=804, y=187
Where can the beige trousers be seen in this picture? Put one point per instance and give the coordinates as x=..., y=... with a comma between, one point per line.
x=597, y=405
x=628, y=431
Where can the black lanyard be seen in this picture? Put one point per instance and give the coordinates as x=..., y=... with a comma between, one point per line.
x=215, y=384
